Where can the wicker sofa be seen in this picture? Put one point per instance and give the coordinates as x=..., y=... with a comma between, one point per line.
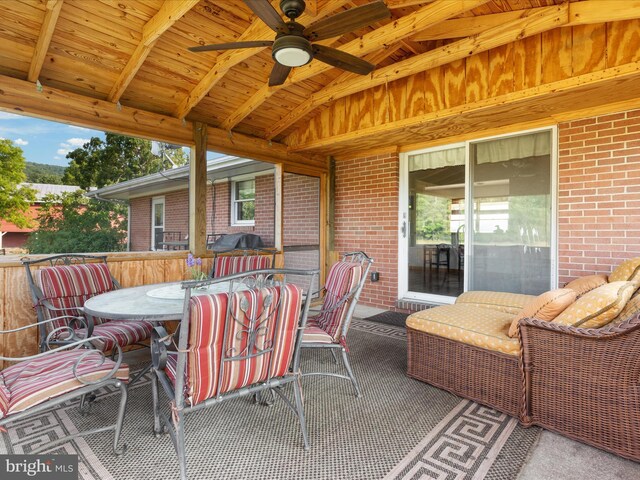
x=581, y=382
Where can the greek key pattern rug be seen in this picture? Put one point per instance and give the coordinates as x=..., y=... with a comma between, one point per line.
x=399, y=429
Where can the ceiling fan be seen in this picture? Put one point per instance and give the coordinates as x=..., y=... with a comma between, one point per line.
x=293, y=45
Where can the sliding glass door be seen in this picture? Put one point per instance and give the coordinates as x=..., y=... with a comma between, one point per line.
x=510, y=234
x=477, y=216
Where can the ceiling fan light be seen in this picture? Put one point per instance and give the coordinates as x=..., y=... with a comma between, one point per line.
x=292, y=57
x=292, y=50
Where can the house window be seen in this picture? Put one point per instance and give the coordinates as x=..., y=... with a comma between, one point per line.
x=243, y=202
x=157, y=222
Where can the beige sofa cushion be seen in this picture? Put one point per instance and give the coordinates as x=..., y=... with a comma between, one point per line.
x=630, y=309
x=498, y=301
x=627, y=271
x=546, y=306
x=480, y=327
x=598, y=307
x=583, y=285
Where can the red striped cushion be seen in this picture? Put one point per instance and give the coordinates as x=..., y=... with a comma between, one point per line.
x=32, y=382
x=74, y=280
x=120, y=332
x=69, y=286
x=208, y=313
x=314, y=334
x=229, y=265
x=5, y=397
x=343, y=277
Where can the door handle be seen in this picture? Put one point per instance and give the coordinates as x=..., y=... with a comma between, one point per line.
x=403, y=229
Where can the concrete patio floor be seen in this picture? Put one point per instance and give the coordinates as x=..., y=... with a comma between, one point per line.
x=555, y=457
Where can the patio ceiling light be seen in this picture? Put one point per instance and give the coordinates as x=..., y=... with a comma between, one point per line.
x=292, y=51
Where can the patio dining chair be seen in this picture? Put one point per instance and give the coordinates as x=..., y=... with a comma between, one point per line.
x=59, y=289
x=74, y=371
x=329, y=327
x=242, y=260
x=242, y=341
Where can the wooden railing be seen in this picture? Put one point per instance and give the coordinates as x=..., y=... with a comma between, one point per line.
x=130, y=269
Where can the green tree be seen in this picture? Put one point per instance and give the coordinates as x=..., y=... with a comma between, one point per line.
x=116, y=159
x=432, y=217
x=71, y=223
x=14, y=197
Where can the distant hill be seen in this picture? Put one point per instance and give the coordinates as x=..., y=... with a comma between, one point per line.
x=43, y=173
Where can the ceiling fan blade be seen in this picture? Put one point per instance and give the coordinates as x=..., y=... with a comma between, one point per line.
x=347, y=21
x=231, y=45
x=268, y=14
x=279, y=74
x=343, y=60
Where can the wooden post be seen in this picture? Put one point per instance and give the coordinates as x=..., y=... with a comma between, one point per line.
x=198, y=191
x=278, y=228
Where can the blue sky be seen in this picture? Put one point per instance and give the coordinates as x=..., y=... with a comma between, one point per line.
x=43, y=141
x=49, y=142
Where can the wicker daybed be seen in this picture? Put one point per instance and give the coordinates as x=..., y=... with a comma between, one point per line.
x=583, y=383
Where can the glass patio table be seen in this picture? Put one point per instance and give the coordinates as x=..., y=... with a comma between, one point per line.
x=153, y=303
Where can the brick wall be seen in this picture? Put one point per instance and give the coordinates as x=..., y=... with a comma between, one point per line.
x=140, y=222
x=301, y=212
x=599, y=193
x=366, y=218
x=599, y=203
x=176, y=212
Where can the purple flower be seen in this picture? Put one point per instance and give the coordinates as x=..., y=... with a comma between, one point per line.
x=198, y=261
x=190, y=260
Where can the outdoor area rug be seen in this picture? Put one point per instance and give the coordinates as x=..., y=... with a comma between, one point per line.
x=390, y=318
x=399, y=429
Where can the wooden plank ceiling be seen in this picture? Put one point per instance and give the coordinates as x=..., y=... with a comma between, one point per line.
x=132, y=54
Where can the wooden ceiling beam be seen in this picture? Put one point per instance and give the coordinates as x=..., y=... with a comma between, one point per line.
x=170, y=12
x=19, y=96
x=393, y=32
x=51, y=15
x=529, y=24
x=618, y=88
x=582, y=13
x=258, y=30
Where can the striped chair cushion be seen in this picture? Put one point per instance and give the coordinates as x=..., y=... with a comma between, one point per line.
x=171, y=368
x=70, y=286
x=343, y=278
x=277, y=310
x=314, y=334
x=119, y=332
x=32, y=382
x=229, y=265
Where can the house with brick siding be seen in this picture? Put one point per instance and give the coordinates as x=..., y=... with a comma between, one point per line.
x=159, y=208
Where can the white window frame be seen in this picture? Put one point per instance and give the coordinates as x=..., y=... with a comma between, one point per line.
x=157, y=201
x=235, y=203
x=403, y=285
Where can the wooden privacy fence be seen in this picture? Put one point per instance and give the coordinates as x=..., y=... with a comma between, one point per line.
x=130, y=269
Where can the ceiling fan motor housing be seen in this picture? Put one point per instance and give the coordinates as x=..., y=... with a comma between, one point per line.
x=292, y=8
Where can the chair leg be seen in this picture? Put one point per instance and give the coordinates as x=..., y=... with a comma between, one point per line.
x=180, y=447
x=347, y=365
x=335, y=357
x=157, y=429
x=120, y=420
x=297, y=393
